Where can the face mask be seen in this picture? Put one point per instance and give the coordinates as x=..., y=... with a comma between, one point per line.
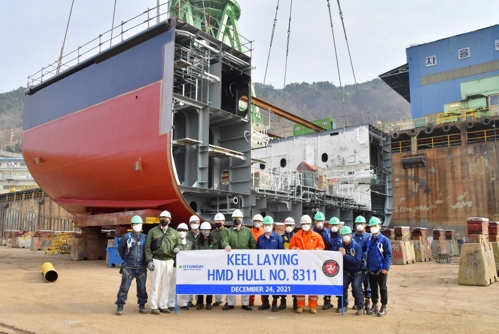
x=218, y=225
x=334, y=229
x=289, y=229
x=137, y=227
x=206, y=233
x=360, y=227
x=237, y=222
x=194, y=226
x=267, y=229
x=319, y=226
x=256, y=225
x=164, y=222
x=182, y=234
x=347, y=239
x=374, y=230
x=306, y=228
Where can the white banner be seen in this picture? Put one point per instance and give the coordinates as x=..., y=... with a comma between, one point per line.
x=260, y=272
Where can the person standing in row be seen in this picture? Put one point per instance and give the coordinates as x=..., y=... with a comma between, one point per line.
x=335, y=244
x=353, y=270
x=238, y=237
x=162, y=244
x=206, y=241
x=193, y=236
x=257, y=230
x=319, y=228
x=290, y=226
x=269, y=240
x=306, y=239
x=132, y=251
x=185, y=245
x=218, y=233
x=379, y=259
x=361, y=237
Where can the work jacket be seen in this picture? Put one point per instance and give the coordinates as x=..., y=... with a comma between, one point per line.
x=193, y=237
x=325, y=234
x=133, y=257
x=188, y=245
x=379, y=253
x=335, y=241
x=218, y=235
x=352, y=260
x=273, y=241
x=165, y=251
x=206, y=243
x=242, y=239
x=286, y=238
x=257, y=232
x=307, y=240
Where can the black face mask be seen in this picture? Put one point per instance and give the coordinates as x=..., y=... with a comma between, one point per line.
x=164, y=222
x=218, y=225
x=237, y=222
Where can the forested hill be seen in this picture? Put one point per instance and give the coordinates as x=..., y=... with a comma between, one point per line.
x=308, y=100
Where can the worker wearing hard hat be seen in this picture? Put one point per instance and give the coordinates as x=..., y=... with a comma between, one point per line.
x=353, y=268
x=379, y=259
x=194, y=233
x=269, y=240
x=238, y=237
x=334, y=245
x=306, y=239
x=162, y=244
x=257, y=230
x=206, y=241
x=218, y=233
x=325, y=233
x=288, y=234
x=132, y=252
x=361, y=237
x=186, y=245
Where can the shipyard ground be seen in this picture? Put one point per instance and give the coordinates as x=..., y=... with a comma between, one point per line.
x=423, y=298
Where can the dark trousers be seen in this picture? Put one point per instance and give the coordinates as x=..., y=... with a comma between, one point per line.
x=283, y=298
x=127, y=277
x=367, y=287
x=200, y=298
x=266, y=298
x=356, y=281
x=378, y=282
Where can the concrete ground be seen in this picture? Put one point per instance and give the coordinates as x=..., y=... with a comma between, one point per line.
x=423, y=298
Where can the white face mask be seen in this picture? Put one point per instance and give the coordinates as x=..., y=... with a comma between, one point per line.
x=256, y=225
x=319, y=226
x=194, y=226
x=206, y=233
x=347, y=239
x=289, y=229
x=306, y=228
x=182, y=235
x=360, y=227
x=374, y=230
x=267, y=229
x=137, y=227
x=334, y=229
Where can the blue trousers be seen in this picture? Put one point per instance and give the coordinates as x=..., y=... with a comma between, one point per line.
x=127, y=277
x=357, y=292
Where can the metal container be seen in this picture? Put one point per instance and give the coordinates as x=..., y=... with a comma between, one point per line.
x=478, y=225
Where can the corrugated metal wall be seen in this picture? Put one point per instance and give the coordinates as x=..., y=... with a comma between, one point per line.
x=434, y=86
x=456, y=184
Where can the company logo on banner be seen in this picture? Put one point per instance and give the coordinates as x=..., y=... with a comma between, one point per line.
x=266, y=272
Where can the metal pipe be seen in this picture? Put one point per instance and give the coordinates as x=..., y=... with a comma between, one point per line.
x=49, y=272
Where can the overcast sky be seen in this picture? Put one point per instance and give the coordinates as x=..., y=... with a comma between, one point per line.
x=379, y=31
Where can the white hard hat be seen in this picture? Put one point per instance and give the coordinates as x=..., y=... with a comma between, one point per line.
x=258, y=217
x=165, y=214
x=182, y=226
x=289, y=221
x=237, y=214
x=219, y=216
x=193, y=219
x=205, y=226
x=306, y=219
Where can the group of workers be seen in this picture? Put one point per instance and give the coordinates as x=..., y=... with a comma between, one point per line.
x=366, y=259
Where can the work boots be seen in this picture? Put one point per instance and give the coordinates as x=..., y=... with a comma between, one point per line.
x=338, y=308
x=367, y=305
x=360, y=311
x=264, y=306
x=382, y=311
x=274, y=305
x=119, y=310
x=327, y=304
x=373, y=309
x=142, y=309
x=282, y=306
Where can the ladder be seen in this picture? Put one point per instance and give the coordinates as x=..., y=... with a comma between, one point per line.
x=60, y=242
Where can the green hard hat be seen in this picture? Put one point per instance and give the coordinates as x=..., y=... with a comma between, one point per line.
x=334, y=221
x=319, y=216
x=136, y=220
x=346, y=230
x=360, y=219
x=374, y=221
x=268, y=220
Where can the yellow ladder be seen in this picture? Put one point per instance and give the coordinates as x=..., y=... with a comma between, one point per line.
x=60, y=242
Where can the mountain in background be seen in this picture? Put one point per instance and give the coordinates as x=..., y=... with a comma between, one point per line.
x=368, y=102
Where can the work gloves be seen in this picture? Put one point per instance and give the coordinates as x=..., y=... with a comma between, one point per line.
x=150, y=266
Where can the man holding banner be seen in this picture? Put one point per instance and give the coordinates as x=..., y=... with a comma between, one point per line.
x=238, y=237
x=305, y=239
